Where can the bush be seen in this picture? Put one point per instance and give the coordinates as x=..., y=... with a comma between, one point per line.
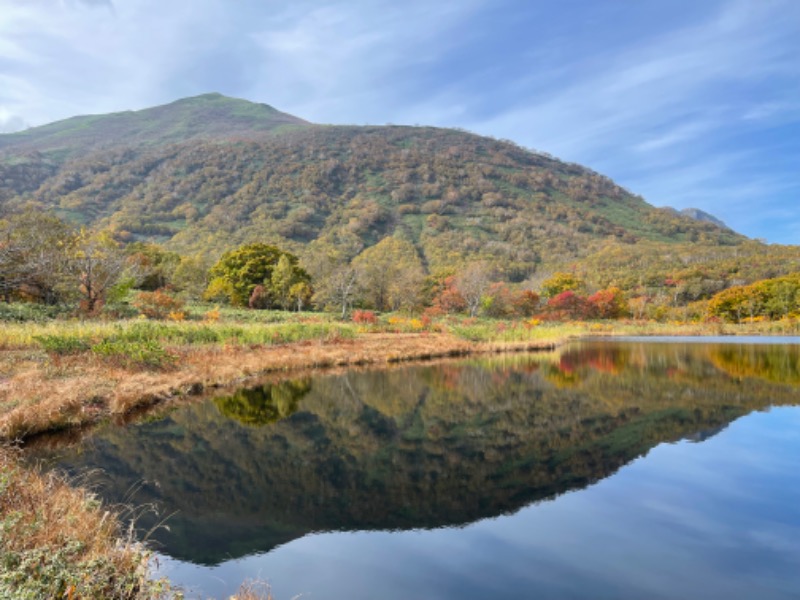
x=364, y=316
x=23, y=312
x=61, y=345
x=138, y=354
x=158, y=304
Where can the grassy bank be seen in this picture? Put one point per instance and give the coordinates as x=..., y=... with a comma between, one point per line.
x=58, y=541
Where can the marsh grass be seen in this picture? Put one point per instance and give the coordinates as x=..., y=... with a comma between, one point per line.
x=503, y=331
x=59, y=541
x=68, y=337
x=513, y=331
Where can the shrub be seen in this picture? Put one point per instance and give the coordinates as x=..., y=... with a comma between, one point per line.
x=608, y=304
x=365, y=317
x=526, y=303
x=566, y=306
x=134, y=354
x=23, y=312
x=212, y=316
x=158, y=304
x=260, y=298
x=57, y=541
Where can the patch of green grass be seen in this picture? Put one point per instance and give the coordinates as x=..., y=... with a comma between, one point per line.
x=140, y=337
x=61, y=345
x=147, y=353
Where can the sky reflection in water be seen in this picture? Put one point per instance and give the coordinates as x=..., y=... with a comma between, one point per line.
x=717, y=519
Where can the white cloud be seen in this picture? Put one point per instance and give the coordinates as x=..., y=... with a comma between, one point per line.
x=348, y=62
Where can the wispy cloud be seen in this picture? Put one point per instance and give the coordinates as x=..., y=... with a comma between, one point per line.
x=694, y=72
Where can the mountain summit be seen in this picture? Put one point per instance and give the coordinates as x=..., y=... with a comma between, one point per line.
x=207, y=117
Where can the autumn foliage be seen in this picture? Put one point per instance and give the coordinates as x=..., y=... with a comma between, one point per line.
x=366, y=317
x=159, y=304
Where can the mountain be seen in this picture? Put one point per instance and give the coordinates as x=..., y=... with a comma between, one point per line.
x=204, y=174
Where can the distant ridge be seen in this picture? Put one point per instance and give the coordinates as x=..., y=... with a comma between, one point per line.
x=699, y=215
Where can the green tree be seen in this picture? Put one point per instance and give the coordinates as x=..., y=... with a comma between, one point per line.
x=239, y=271
x=300, y=295
x=191, y=275
x=290, y=284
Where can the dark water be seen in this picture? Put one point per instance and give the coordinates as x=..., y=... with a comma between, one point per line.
x=605, y=470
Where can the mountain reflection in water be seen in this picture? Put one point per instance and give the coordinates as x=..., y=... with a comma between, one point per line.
x=428, y=446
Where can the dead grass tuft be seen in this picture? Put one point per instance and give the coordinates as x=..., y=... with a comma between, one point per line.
x=253, y=590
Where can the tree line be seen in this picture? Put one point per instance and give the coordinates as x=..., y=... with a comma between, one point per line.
x=46, y=260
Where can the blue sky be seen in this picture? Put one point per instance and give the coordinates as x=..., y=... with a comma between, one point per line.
x=687, y=103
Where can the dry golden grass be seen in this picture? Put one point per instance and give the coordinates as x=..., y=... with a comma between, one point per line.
x=60, y=542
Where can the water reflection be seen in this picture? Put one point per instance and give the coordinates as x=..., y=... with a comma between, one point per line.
x=264, y=404
x=423, y=447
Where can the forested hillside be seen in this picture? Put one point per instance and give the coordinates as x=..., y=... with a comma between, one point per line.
x=203, y=175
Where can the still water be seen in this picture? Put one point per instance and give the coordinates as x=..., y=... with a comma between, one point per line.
x=614, y=469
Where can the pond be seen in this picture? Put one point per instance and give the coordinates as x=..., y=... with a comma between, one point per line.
x=606, y=469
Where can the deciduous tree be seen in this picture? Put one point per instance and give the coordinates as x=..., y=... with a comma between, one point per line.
x=473, y=282
x=561, y=282
x=96, y=264
x=239, y=271
x=34, y=251
x=392, y=274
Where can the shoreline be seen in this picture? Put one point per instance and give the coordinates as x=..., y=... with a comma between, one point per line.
x=76, y=392
x=42, y=392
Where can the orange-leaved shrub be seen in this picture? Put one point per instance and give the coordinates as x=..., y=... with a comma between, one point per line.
x=158, y=304
x=364, y=316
